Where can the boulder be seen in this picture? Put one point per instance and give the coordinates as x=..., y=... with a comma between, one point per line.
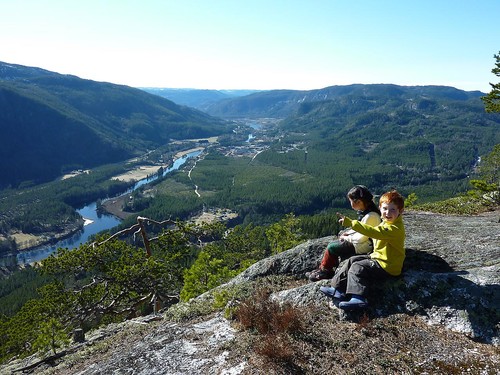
x=451, y=274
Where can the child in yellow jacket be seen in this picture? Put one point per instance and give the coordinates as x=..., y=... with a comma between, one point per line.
x=357, y=273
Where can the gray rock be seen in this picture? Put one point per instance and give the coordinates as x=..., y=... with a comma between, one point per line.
x=172, y=349
x=297, y=261
x=451, y=275
x=451, y=279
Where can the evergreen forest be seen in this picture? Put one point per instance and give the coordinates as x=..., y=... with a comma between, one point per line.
x=53, y=123
x=284, y=183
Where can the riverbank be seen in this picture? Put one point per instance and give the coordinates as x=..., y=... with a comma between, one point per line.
x=181, y=154
x=115, y=207
x=111, y=208
x=144, y=171
x=34, y=247
x=27, y=242
x=139, y=173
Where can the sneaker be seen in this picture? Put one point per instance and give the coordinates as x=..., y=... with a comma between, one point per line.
x=355, y=303
x=320, y=274
x=332, y=292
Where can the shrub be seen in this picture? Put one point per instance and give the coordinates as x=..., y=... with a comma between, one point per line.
x=276, y=322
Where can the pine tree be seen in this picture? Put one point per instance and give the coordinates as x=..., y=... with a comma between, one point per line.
x=492, y=100
x=284, y=234
x=52, y=336
x=206, y=273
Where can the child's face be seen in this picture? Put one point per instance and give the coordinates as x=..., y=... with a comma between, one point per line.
x=390, y=212
x=357, y=204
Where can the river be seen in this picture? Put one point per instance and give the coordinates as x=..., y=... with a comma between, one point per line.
x=94, y=223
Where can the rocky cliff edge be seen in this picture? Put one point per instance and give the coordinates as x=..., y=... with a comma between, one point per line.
x=441, y=316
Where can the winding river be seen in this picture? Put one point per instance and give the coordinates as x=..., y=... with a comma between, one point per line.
x=94, y=223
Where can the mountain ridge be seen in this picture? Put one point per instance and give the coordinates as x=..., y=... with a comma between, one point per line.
x=282, y=103
x=41, y=110
x=197, y=98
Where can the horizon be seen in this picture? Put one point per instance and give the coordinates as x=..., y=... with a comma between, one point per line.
x=278, y=45
x=241, y=89
x=320, y=88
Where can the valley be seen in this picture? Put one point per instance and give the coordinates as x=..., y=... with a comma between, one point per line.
x=257, y=141
x=275, y=181
x=275, y=153
x=35, y=247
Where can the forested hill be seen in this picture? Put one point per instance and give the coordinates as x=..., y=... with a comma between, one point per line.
x=52, y=122
x=441, y=130
x=283, y=103
x=384, y=135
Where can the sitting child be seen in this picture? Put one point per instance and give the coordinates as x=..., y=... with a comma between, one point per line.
x=349, y=242
x=355, y=276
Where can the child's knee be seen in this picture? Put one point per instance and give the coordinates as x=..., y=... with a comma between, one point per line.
x=358, y=269
x=333, y=247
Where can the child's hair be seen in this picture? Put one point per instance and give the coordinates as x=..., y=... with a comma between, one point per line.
x=394, y=197
x=361, y=192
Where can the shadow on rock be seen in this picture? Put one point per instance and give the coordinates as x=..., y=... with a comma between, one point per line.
x=463, y=301
x=422, y=261
x=466, y=301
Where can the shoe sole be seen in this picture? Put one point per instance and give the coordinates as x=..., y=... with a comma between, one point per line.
x=315, y=278
x=357, y=306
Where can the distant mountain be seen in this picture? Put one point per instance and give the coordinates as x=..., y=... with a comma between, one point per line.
x=283, y=103
x=422, y=139
x=199, y=99
x=423, y=133
x=50, y=121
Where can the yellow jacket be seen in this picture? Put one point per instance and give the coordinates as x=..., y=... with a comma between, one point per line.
x=388, y=243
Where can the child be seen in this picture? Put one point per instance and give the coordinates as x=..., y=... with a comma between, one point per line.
x=350, y=242
x=358, y=272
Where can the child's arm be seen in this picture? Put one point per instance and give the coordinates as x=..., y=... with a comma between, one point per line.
x=379, y=232
x=357, y=237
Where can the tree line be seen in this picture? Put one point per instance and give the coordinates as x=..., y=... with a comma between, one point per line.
x=111, y=280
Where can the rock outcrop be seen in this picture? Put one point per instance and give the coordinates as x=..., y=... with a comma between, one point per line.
x=451, y=275
x=451, y=282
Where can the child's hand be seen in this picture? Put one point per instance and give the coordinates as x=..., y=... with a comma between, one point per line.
x=341, y=218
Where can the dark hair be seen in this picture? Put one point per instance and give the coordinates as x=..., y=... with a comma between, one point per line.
x=361, y=192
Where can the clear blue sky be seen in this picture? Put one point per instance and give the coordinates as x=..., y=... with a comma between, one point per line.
x=256, y=44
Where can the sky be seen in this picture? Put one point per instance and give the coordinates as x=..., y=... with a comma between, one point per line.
x=257, y=44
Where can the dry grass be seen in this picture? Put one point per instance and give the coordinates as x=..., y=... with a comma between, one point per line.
x=268, y=316
x=285, y=340
x=276, y=338
x=139, y=173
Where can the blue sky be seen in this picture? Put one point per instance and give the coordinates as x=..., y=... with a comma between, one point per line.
x=256, y=44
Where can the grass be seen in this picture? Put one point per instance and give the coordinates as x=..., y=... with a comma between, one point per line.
x=283, y=339
x=461, y=205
